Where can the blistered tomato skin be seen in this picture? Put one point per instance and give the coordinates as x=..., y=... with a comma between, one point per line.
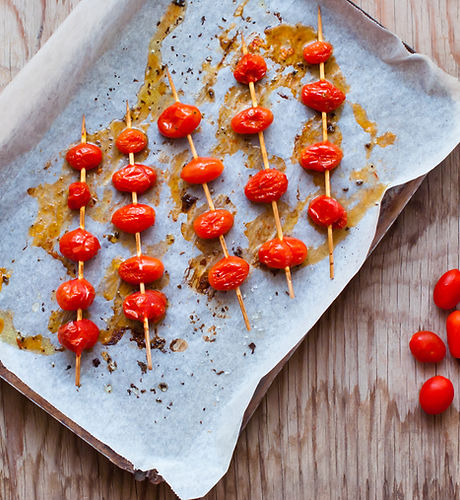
x=276, y=254
x=78, y=335
x=179, y=120
x=142, y=269
x=75, y=294
x=453, y=333
x=427, y=347
x=298, y=249
x=79, y=245
x=134, y=178
x=266, y=186
x=131, y=140
x=446, y=294
x=150, y=305
x=321, y=156
x=213, y=224
x=84, y=156
x=436, y=395
x=79, y=195
x=252, y=120
x=322, y=96
x=326, y=211
x=134, y=218
x=250, y=68
x=201, y=170
x=317, y=52
x=228, y=274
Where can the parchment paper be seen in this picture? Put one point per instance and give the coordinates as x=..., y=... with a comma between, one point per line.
x=183, y=418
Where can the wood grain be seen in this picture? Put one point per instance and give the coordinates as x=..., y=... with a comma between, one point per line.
x=341, y=420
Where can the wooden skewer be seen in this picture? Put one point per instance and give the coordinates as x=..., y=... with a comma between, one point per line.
x=279, y=229
x=211, y=206
x=138, y=253
x=327, y=178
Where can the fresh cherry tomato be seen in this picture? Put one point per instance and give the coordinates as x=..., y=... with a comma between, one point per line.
x=179, y=120
x=446, y=294
x=79, y=245
x=279, y=254
x=75, y=294
x=252, y=120
x=427, y=347
x=266, y=186
x=79, y=195
x=84, y=156
x=322, y=96
x=150, y=305
x=250, y=68
x=228, y=274
x=321, y=156
x=134, y=178
x=298, y=249
x=201, y=170
x=453, y=333
x=141, y=269
x=131, y=140
x=134, y=218
x=317, y=52
x=326, y=211
x=213, y=224
x=436, y=395
x=78, y=335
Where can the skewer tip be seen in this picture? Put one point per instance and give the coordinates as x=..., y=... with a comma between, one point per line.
x=83, y=129
x=77, y=370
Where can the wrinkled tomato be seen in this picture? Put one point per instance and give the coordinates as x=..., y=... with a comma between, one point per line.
x=79, y=195
x=141, y=269
x=78, y=335
x=317, y=52
x=266, y=186
x=75, y=294
x=213, y=224
x=201, y=170
x=252, y=120
x=321, y=156
x=131, y=140
x=79, y=245
x=298, y=249
x=179, y=120
x=134, y=218
x=150, y=305
x=326, y=211
x=279, y=254
x=446, y=294
x=84, y=156
x=250, y=68
x=453, y=333
x=322, y=96
x=134, y=178
x=427, y=347
x=228, y=274
x=436, y=395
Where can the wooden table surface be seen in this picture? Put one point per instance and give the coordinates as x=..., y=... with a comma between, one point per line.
x=342, y=419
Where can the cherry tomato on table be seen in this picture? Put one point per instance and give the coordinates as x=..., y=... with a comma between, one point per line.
x=250, y=68
x=134, y=218
x=179, y=120
x=78, y=335
x=321, y=156
x=228, y=274
x=79, y=195
x=141, y=269
x=436, y=395
x=279, y=254
x=322, y=96
x=75, y=294
x=150, y=305
x=201, y=170
x=427, y=347
x=446, y=294
x=213, y=224
x=252, y=120
x=453, y=333
x=317, y=52
x=134, y=178
x=326, y=211
x=131, y=140
x=266, y=186
x=79, y=245
x=84, y=156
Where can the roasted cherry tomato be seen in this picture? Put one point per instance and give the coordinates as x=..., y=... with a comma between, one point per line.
x=326, y=211
x=321, y=156
x=84, y=156
x=213, y=224
x=436, y=395
x=131, y=140
x=79, y=245
x=317, y=52
x=453, y=333
x=266, y=186
x=228, y=274
x=322, y=96
x=446, y=294
x=298, y=249
x=201, y=170
x=75, y=294
x=141, y=269
x=78, y=335
x=250, y=68
x=79, y=195
x=134, y=178
x=134, y=218
x=427, y=347
x=252, y=120
x=279, y=254
x=179, y=120
x=150, y=305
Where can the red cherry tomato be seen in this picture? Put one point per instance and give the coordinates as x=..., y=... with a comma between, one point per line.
x=134, y=178
x=317, y=52
x=321, y=156
x=266, y=186
x=78, y=335
x=252, y=120
x=276, y=254
x=213, y=224
x=298, y=249
x=79, y=245
x=150, y=305
x=75, y=294
x=250, y=68
x=79, y=195
x=326, y=211
x=446, y=294
x=427, y=347
x=134, y=218
x=453, y=333
x=436, y=395
x=201, y=170
x=322, y=96
x=179, y=120
x=142, y=269
x=131, y=140
x=84, y=156
x=228, y=274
